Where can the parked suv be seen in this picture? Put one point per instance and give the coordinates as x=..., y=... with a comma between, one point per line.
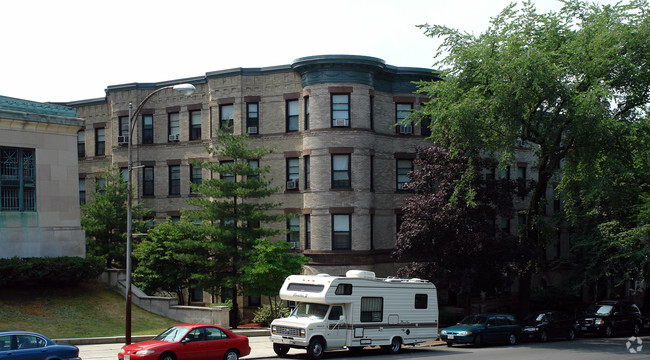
x=609, y=317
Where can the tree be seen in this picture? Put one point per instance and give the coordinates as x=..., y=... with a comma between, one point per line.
x=104, y=218
x=566, y=83
x=269, y=265
x=174, y=257
x=232, y=207
x=452, y=241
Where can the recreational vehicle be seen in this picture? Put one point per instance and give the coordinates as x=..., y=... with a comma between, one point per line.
x=354, y=311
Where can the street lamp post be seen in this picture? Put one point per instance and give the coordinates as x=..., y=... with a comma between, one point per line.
x=186, y=89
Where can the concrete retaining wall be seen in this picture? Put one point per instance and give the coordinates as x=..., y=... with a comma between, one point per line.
x=166, y=306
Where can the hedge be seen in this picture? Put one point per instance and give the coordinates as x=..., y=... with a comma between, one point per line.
x=54, y=271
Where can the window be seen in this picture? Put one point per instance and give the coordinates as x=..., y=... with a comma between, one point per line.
x=402, y=112
x=307, y=232
x=341, y=237
x=101, y=186
x=372, y=112
x=421, y=301
x=147, y=129
x=82, y=191
x=174, y=179
x=343, y=289
x=489, y=174
x=226, y=116
x=403, y=168
x=335, y=313
x=292, y=115
x=229, y=177
x=372, y=309
x=521, y=172
x=314, y=288
x=425, y=124
x=196, y=176
x=252, y=118
x=372, y=172
x=147, y=181
x=100, y=142
x=17, y=179
x=81, y=144
x=306, y=112
x=340, y=110
x=293, y=234
x=195, y=125
x=254, y=164
x=173, y=126
x=505, y=173
x=505, y=225
x=293, y=173
x=341, y=174
x=307, y=171
x=124, y=126
x=125, y=174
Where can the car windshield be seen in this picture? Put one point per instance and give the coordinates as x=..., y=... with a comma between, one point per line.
x=473, y=320
x=535, y=317
x=599, y=309
x=175, y=333
x=310, y=310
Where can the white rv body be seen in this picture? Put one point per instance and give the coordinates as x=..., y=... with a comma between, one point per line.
x=354, y=311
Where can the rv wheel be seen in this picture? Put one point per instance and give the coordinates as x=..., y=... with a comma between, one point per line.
x=280, y=350
x=394, y=347
x=315, y=349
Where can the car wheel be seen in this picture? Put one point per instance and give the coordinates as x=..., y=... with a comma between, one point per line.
x=571, y=334
x=512, y=339
x=450, y=344
x=478, y=340
x=167, y=356
x=231, y=355
x=609, y=331
x=543, y=337
x=280, y=350
x=315, y=349
x=637, y=329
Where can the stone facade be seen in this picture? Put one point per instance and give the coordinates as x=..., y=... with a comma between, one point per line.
x=39, y=214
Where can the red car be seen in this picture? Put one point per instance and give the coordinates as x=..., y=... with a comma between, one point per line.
x=189, y=342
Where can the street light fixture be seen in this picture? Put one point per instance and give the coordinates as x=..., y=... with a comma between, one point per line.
x=185, y=89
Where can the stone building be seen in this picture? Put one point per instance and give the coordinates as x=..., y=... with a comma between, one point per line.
x=39, y=210
x=338, y=155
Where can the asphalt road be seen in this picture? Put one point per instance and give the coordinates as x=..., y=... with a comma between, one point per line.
x=579, y=349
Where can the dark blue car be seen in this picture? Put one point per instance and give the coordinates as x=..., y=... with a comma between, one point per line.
x=25, y=345
x=483, y=328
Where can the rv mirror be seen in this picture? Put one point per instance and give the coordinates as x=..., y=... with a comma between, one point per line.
x=342, y=318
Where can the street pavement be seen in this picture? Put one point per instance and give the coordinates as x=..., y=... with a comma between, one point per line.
x=261, y=348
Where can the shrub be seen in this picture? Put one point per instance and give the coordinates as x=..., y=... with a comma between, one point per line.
x=264, y=315
x=57, y=271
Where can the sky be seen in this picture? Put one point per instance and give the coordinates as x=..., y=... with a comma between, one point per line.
x=67, y=50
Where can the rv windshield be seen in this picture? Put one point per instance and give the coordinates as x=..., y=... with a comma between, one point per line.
x=310, y=310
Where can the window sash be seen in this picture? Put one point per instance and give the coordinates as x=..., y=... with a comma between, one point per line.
x=341, y=171
x=147, y=129
x=252, y=115
x=195, y=124
x=174, y=180
x=341, y=234
x=148, y=181
x=293, y=169
x=403, y=167
x=292, y=115
x=226, y=117
x=17, y=179
x=81, y=144
x=340, y=106
x=100, y=142
x=174, y=126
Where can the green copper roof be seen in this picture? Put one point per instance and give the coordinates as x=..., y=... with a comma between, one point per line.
x=27, y=110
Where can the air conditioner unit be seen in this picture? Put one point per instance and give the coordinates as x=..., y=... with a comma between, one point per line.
x=292, y=184
x=341, y=122
x=295, y=245
x=174, y=137
x=252, y=129
x=400, y=186
x=405, y=129
x=123, y=140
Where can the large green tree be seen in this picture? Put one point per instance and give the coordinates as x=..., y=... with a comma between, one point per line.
x=233, y=206
x=566, y=83
x=103, y=218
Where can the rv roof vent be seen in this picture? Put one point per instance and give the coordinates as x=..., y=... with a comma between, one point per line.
x=360, y=274
x=323, y=275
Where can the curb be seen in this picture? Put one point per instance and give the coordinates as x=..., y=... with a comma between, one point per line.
x=138, y=338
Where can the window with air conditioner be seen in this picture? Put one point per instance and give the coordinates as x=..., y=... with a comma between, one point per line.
x=402, y=112
x=293, y=173
x=403, y=168
x=173, y=126
x=340, y=109
x=293, y=232
x=252, y=117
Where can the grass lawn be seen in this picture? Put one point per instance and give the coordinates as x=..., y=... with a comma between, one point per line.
x=88, y=310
